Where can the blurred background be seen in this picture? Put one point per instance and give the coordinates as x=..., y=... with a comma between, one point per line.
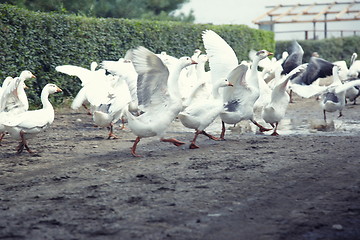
x=249, y=13
x=244, y=12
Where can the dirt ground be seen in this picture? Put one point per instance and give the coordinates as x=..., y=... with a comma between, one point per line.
x=303, y=184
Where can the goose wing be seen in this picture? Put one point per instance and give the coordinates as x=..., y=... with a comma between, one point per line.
x=152, y=78
x=30, y=119
x=317, y=68
x=8, y=92
x=294, y=59
x=85, y=75
x=222, y=58
x=347, y=85
x=237, y=78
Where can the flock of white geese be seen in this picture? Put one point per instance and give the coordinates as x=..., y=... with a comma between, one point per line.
x=149, y=91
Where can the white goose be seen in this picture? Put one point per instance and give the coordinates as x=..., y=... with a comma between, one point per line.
x=91, y=80
x=191, y=70
x=14, y=95
x=203, y=111
x=352, y=73
x=111, y=111
x=275, y=110
x=333, y=98
x=124, y=69
x=158, y=95
x=223, y=62
x=24, y=125
x=188, y=84
x=13, y=99
x=3, y=100
x=354, y=69
x=6, y=90
x=239, y=103
x=100, y=90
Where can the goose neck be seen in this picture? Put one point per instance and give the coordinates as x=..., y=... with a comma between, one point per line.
x=173, y=82
x=255, y=64
x=216, y=91
x=45, y=99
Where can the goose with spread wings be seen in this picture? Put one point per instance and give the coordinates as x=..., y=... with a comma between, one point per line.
x=202, y=111
x=239, y=101
x=13, y=98
x=158, y=96
x=306, y=83
x=275, y=110
x=92, y=82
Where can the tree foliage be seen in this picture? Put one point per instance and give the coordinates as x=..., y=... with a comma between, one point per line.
x=131, y=9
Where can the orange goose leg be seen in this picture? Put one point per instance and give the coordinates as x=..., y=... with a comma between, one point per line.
x=23, y=144
x=173, y=141
x=223, y=129
x=133, y=149
x=261, y=128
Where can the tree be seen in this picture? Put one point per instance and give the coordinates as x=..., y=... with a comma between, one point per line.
x=140, y=9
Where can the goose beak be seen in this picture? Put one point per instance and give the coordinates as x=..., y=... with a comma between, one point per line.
x=33, y=76
x=270, y=54
x=193, y=62
x=25, y=87
x=230, y=84
x=58, y=90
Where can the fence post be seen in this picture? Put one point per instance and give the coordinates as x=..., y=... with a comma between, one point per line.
x=314, y=23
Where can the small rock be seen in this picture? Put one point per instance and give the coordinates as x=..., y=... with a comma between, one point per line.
x=337, y=227
x=78, y=120
x=214, y=214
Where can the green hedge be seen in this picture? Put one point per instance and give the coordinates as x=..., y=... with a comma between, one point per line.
x=332, y=49
x=41, y=41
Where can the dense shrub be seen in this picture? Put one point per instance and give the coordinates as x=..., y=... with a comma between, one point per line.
x=333, y=49
x=41, y=41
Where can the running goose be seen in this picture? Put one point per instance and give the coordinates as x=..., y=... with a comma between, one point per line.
x=274, y=111
x=91, y=81
x=239, y=100
x=158, y=96
x=203, y=111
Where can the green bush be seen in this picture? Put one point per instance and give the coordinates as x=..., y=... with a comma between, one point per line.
x=333, y=49
x=41, y=41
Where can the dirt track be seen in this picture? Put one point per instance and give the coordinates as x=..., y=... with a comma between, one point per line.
x=82, y=186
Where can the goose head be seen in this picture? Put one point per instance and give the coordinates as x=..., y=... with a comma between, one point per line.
x=52, y=88
x=263, y=54
x=26, y=75
x=186, y=61
x=224, y=82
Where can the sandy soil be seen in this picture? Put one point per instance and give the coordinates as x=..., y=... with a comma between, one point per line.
x=303, y=184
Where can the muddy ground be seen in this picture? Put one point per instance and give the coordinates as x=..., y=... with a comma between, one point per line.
x=303, y=184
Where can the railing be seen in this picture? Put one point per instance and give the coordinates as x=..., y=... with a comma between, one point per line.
x=324, y=34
